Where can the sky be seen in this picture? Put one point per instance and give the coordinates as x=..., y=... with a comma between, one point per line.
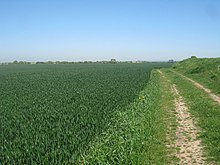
x=79, y=30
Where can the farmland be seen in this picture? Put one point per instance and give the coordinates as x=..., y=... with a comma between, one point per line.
x=122, y=113
x=54, y=113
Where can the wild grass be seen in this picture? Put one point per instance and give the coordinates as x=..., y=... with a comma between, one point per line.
x=205, y=110
x=168, y=105
x=203, y=70
x=138, y=134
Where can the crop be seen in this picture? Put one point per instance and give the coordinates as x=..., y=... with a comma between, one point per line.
x=52, y=113
x=138, y=134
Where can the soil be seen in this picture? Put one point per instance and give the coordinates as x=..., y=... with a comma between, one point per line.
x=190, y=148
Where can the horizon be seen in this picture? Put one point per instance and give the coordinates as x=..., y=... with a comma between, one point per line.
x=56, y=30
x=199, y=57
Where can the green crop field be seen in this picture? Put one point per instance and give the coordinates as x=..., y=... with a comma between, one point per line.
x=53, y=113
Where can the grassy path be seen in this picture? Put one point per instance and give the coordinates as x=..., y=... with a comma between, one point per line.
x=188, y=147
x=168, y=106
x=213, y=96
x=171, y=122
x=200, y=122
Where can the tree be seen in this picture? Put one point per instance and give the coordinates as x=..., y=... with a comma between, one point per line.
x=15, y=62
x=193, y=57
x=113, y=61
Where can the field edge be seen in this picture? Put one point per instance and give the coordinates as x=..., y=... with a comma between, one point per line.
x=139, y=133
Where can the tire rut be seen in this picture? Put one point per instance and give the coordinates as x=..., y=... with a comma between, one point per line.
x=188, y=146
x=198, y=85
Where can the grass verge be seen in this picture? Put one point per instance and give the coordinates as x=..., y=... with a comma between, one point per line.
x=168, y=105
x=138, y=135
x=205, y=110
x=206, y=71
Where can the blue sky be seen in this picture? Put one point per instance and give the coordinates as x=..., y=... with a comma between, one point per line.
x=153, y=30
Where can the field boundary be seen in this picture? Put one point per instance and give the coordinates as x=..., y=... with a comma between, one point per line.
x=168, y=105
x=198, y=85
x=138, y=134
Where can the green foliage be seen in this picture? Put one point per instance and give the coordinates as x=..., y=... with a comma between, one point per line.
x=205, y=110
x=137, y=135
x=51, y=114
x=198, y=69
x=204, y=70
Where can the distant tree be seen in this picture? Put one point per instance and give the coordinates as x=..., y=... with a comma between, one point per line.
x=87, y=62
x=113, y=61
x=193, y=57
x=15, y=62
x=49, y=62
x=21, y=62
x=40, y=62
x=64, y=62
x=171, y=61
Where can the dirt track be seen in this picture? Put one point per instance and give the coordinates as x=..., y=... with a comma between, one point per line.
x=189, y=147
x=213, y=96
